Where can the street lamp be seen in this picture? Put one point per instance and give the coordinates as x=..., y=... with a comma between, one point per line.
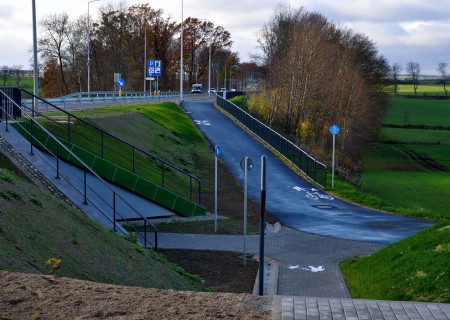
x=234, y=65
x=209, y=62
x=35, y=60
x=89, y=47
x=181, y=57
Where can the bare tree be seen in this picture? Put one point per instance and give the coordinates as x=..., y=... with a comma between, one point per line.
x=395, y=73
x=53, y=43
x=324, y=75
x=5, y=74
x=442, y=69
x=413, y=69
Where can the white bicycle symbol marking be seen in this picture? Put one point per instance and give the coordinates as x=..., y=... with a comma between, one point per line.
x=313, y=193
x=205, y=122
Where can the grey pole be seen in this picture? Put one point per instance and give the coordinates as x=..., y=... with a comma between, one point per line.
x=261, y=231
x=145, y=59
x=209, y=69
x=245, y=209
x=332, y=164
x=215, y=194
x=89, y=47
x=181, y=54
x=35, y=61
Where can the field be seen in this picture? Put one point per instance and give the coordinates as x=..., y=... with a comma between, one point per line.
x=408, y=170
x=404, y=112
x=410, y=167
x=423, y=89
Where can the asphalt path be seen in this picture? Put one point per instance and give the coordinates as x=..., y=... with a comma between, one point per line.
x=294, y=202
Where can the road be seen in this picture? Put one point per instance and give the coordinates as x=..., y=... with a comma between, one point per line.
x=294, y=202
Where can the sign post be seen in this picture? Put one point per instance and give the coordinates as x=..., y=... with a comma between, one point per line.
x=246, y=165
x=217, y=153
x=334, y=130
x=154, y=69
x=120, y=84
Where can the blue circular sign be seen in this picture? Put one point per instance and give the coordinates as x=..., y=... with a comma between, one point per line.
x=217, y=151
x=334, y=129
x=120, y=82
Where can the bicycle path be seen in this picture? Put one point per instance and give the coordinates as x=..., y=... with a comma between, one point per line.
x=286, y=199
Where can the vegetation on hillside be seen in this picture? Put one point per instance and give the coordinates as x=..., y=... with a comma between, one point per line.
x=42, y=234
x=414, y=269
x=408, y=172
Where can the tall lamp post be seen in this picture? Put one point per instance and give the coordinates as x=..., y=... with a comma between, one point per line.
x=231, y=79
x=89, y=47
x=209, y=62
x=181, y=54
x=35, y=60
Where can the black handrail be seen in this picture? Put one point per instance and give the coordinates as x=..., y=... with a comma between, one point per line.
x=312, y=168
x=86, y=168
x=184, y=186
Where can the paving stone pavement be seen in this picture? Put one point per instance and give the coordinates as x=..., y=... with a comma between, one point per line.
x=308, y=308
x=299, y=293
x=298, y=255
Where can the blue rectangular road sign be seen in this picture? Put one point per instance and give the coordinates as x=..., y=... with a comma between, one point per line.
x=154, y=68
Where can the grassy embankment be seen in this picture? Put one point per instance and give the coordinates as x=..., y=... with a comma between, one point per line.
x=35, y=226
x=164, y=130
x=407, y=172
x=37, y=230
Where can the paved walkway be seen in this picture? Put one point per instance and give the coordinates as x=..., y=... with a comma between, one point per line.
x=299, y=263
x=302, y=274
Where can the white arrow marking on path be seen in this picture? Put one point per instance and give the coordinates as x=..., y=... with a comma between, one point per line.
x=293, y=267
x=314, y=269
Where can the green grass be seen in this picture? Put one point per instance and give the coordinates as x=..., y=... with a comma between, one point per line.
x=162, y=129
x=24, y=82
x=403, y=112
x=414, y=269
x=35, y=226
x=240, y=101
x=422, y=89
x=407, y=172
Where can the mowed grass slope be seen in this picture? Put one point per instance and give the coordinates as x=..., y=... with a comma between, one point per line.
x=408, y=171
x=35, y=227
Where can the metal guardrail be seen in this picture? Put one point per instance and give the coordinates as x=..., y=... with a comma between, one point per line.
x=312, y=168
x=84, y=100
x=154, y=168
x=29, y=115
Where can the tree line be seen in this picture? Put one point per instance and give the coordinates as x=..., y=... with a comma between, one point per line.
x=413, y=71
x=321, y=75
x=121, y=41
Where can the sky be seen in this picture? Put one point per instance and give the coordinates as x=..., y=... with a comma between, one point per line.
x=403, y=30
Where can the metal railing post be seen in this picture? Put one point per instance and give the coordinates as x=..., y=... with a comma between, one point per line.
x=145, y=233
x=114, y=210
x=68, y=127
x=31, y=137
x=57, y=161
x=85, y=188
